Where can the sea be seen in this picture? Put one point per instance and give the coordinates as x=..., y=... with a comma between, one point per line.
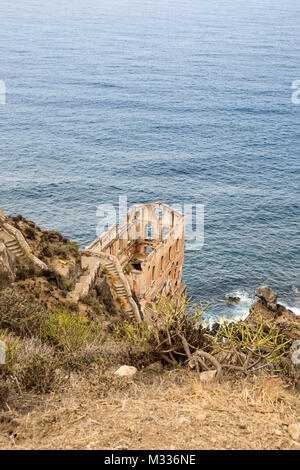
x=189, y=102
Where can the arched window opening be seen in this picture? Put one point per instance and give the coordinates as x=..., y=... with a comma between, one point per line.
x=159, y=213
x=166, y=232
x=149, y=231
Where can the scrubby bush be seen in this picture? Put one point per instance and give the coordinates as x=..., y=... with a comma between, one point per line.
x=38, y=375
x=250, y=347
x=25, y=268
x=178, y=329
x=174, y=330
x=30, y=347
x=4, y=392
x=30, y=233
x=5, y=278
x=93, y=302
x=65, y=249
x=18, y=314
x=57, y=280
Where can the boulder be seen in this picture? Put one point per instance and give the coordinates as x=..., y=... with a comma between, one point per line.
x=126, y=371
x=208, y=376
x=268, y=297
x=281, y=314
x=7, y=265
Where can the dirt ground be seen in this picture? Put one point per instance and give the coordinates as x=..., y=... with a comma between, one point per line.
x=155, y=410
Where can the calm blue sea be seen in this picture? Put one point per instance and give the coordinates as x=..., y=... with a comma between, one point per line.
x=173, y=100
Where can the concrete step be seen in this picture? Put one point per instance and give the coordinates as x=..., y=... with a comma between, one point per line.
x=112, y=270
x=15, y=248
x=120, y=288
x=121, y=292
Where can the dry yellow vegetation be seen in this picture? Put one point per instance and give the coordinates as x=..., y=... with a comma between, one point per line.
x=167, y=409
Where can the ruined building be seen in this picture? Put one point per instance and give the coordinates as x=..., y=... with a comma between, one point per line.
x=148, y=251
x=145, y=256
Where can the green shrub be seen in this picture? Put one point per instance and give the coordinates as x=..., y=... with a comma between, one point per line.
x=134, y=332
x=68, y=285
x=30, y=233
x=177, y=325
x=249, y=347
x=25, y=268
x=69, y=331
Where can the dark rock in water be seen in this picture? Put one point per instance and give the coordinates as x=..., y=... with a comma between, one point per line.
x=233, y=299
x=215, y=328
x=268, y=297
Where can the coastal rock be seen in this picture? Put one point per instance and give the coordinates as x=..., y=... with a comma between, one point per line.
x=215, y=328
x=126, y=371
x=270, y=311
x=281, y=314
x=232, y=299
x=268, y=296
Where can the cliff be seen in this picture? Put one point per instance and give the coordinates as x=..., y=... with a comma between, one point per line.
x=60, y=387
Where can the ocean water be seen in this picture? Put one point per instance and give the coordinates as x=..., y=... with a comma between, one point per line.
x=179, y=101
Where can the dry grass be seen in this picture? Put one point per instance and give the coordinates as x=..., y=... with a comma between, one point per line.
x=29, y=347
x=167, y=410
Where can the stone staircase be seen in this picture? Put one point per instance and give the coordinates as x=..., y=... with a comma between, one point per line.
x=16, y=243
x=119, y=287
x=11, y=243
x=93, y=263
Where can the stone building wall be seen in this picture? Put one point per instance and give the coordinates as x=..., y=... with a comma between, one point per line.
x=150, y=249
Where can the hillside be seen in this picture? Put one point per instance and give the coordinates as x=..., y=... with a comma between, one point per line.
x=59, y=388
